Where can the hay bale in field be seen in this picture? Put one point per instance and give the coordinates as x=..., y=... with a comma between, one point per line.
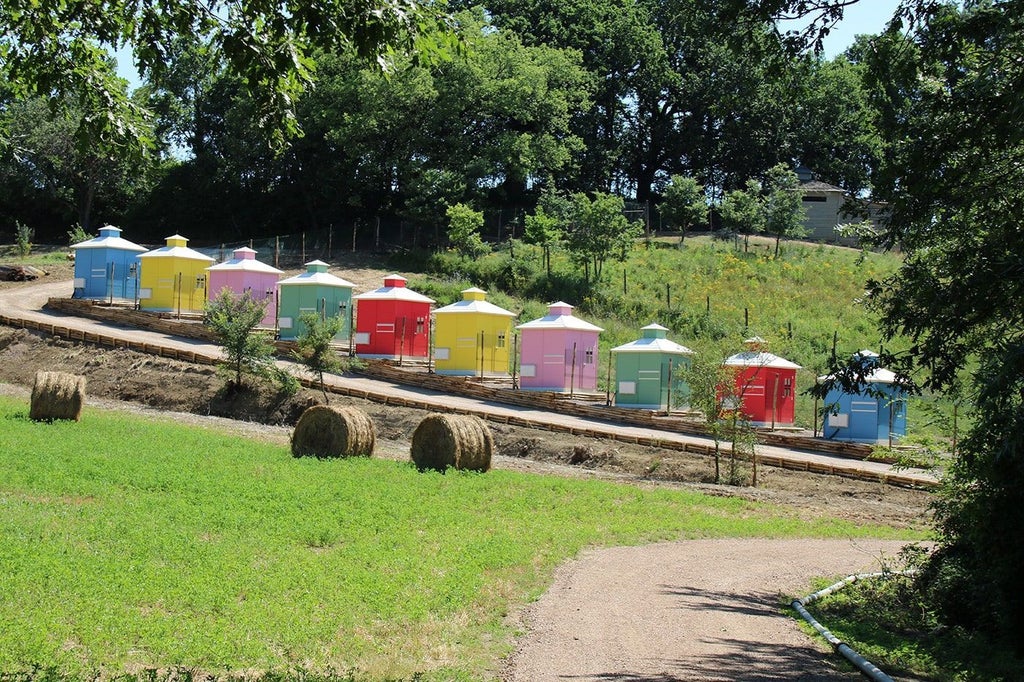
x=57, y=395
x=451, y=440
x=328, y=431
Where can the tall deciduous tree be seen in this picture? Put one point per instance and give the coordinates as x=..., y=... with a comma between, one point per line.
x=58, y=47
x=49, y=178
x=955, y=183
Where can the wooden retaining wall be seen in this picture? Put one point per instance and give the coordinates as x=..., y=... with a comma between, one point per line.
x=459, y=385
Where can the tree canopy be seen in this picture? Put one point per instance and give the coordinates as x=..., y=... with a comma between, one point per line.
x=62, y=48
x=954, y=177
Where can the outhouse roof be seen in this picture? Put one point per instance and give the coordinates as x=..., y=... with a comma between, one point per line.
x=877, y=375
x=245, y=261
x=560, y=317
x=759, y=359
x=473, y=302
x=321, y=278
x=654, y=341
x=109, y=238
x=176, y=249
x=653, y=345
x=394, y=289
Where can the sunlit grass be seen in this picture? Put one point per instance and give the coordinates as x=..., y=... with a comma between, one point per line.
x=128, y=544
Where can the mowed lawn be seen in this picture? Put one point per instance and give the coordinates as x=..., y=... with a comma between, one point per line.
x=129, y=544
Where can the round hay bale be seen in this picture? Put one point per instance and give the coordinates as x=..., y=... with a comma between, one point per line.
x=451, y=440
x=328, y=431
x=57, y=395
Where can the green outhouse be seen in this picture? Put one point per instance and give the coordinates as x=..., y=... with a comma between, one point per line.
x=648, y=368
x=314, y=291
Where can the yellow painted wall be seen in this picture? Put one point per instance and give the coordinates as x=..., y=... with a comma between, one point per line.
x=459, y=335
x=159, y=280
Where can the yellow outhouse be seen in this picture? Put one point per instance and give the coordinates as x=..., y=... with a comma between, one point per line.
x=173, y=278
x=472, y=337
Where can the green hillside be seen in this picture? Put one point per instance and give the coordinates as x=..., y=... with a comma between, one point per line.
x=710, y=293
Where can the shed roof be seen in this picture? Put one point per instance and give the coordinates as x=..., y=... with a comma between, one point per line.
x=473, y=302
x=560, y=317
x=176, y=249
x=244, y=261
x=819, y=186
x=394, y=289
x=109, y=238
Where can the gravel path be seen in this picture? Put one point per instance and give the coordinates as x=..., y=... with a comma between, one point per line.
x=693, y=610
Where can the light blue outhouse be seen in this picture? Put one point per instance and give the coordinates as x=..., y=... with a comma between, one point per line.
x=107, y=266
x=875, y=413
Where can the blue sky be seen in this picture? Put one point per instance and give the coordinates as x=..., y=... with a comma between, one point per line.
x=864, y=17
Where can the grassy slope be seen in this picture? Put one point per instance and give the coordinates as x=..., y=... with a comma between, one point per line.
x=815, y=291
x=126, y=543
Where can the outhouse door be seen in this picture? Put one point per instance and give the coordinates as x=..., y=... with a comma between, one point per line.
x=864, y=420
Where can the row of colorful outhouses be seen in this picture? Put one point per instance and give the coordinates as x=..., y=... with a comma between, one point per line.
x=471, y=337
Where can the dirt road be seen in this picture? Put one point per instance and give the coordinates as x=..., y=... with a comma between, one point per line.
x=694, y=610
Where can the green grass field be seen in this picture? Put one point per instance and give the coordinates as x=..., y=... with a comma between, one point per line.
x=128, y=545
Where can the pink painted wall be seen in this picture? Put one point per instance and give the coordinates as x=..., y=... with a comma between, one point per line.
x=549, y=351
x=237, y=276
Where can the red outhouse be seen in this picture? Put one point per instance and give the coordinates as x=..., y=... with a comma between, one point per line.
x=393, y=322
x=765, y=385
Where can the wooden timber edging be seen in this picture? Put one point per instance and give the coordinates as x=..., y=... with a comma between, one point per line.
x=442, y=383
x=129, y=317
x=104, y=340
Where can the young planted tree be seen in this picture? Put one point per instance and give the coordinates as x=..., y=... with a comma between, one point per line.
x=684, y=204
x=706, y=377
x=783, y=205
x=598, y=231
x=545, y=231
x=464, y=225
x=233, y=319
x=314, y=346
x=715, y=394
x=742, y=210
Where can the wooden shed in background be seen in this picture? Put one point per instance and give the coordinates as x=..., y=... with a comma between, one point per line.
x=393, y=321
x=765, y=385
x=244, y=273
x=647, y=370
x=472, y=337
x=107, y=266
x=313, y=291
x=876, y=413
x=558, y=352
x=173, y=278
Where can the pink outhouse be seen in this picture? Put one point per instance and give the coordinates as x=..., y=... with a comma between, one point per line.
x=393, y=321
x=558, y=352
x=765, y=384
x=244, y=273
